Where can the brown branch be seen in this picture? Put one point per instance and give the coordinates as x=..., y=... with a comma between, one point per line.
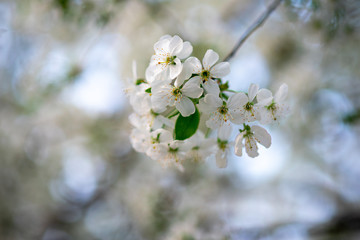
x=258, y=22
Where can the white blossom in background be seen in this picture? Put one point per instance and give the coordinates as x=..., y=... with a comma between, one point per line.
x=169, y=153
x=200, y=148
x=223, y=146
x=178, y=91
x=138, y=98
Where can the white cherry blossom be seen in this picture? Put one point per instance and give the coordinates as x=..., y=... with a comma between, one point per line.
x=167, y=58
x=177, y=95
x=223, y=146
x=170, y=153
x=150, y=121
x=273, y=108
x=144, y=141
x=249, y=111
x=221, y=112
x=252, y=135
x=200, y=147
x=171, y=87
x=138, y=98
x=208, y=72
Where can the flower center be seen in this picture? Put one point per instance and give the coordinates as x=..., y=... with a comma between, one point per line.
x=272, y=106
x=248, y=106
x=173, y=150
x=222, y=144
x=248, y=132
x=155, y=140
x=223, y=110
x=205, y=74
x=170, y=60
x=177, y=93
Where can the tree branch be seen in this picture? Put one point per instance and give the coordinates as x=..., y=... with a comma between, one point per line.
x=259, y=21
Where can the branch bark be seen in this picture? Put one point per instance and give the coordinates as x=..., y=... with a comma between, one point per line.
x=258, y=22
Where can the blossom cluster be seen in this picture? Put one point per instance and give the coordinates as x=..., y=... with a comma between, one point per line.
x=182, y=101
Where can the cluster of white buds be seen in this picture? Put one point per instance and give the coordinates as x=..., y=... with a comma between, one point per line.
x=179, y=90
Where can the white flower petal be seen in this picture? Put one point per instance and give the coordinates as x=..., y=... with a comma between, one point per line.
x=237, y=101
x=194, y=64
x=135, y=120
x=167, y=36
x=175, y=45
x=185, y=106
x=264, y=97
x=186, y=50
x=150, y=73
x=185, y=74
x=156, y=124
x=211, y=87
x=175, y=70
x=221, y=159
x=160, y=98
x=261, y=136
x=210, y=59
x=251, y=147
x=168, y=122
x=215, y=121
x=165, y=136
x=224, y=132
x=192, y=89
x=179, y=81
x=157, y=151
x=220, y=70
x=206, y=107
x=281, y=94
x=137, y=140
x=160, y=81
x=237, y=117
x=238, y=144
x=213, y=100
x=253, y=90
x=266, y=116
x=195, y=80
x=162, y=46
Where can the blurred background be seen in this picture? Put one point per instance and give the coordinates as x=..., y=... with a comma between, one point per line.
x=67, y=169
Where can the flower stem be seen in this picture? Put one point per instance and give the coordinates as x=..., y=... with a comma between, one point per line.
x=258, y=22
x=208, y=131
x=173, y=113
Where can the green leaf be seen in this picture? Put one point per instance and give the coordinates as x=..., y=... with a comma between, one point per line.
x=185, y=127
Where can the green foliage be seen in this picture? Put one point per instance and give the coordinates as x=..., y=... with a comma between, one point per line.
x=352, y=117
x=187, y=237
x=64, y=5
x=185, y=127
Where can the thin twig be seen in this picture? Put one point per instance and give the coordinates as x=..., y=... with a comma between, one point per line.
x=259, y=21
